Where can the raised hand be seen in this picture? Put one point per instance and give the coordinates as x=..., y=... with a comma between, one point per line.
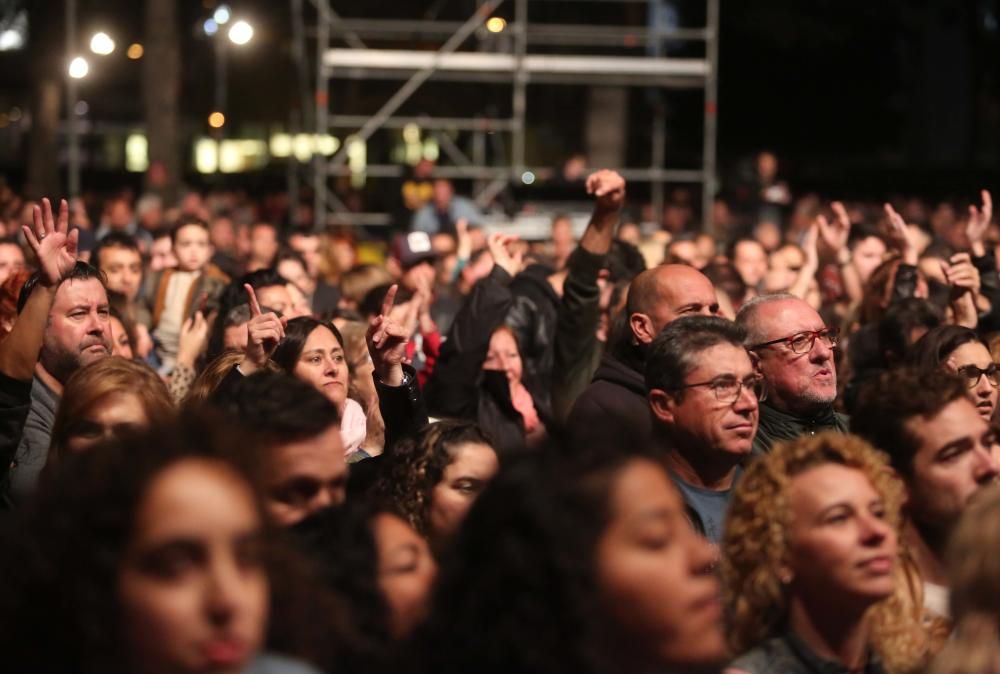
x=835, y=232
x=608, y=189
x=900, y=236
x=978, y=223
x=194, y=335
x=502, y=257
x=54, y=245
x=464, y=250
x=264, y=331
x=961, y=275
x=387, y=339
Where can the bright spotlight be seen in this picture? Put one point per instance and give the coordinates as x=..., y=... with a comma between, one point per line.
x=210, y=27
x=528, y=178
x=102, y=44
x=216, y=120
x=496, y=24
x=222, y=15
x=240, y=32
x=78, y=68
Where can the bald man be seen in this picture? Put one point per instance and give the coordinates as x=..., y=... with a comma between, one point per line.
x=613, y=411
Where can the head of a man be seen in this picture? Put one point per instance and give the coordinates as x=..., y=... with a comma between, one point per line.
x=299, y=454
x=660, y=295
x=117, y=256
x=293, y=267
x=263, y=243
x=78, y=331
x=794, y=349
x=442, y=193
x=703, y=388
x=750, y=260
x=307, y=243
x=937, y=442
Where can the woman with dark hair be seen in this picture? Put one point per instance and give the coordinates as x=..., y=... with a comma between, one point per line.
x=147, y=555
x=480, y=373
x=582, y=568
x=313, y=351
x=106, y=398
x=434, y=478
x=379, y=567
x=812, y=571
x=961, y=350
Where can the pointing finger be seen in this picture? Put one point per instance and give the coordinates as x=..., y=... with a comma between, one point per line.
x=252, y=299
x=389, y=300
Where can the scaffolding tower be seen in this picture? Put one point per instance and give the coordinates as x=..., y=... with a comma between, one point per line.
x=341, y=52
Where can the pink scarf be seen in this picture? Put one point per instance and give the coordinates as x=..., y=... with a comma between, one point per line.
x=523, y=403
x=353, y=426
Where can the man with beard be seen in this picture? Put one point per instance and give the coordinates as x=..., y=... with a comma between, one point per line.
x=794, y=351
x=944, y=451
x=78, y=332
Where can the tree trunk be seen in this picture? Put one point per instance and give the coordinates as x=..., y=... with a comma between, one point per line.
x=161, y=91
x=46, y=57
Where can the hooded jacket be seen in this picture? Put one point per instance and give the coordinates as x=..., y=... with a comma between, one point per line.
x=613, y=411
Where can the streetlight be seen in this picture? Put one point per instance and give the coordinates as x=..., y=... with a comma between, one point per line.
x=78, y=68
x=240, y=32
x=222, y=15
x=102, y=44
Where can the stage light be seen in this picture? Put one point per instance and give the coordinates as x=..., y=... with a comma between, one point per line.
x=135, y=51
x=496, y=24
x=216, y=120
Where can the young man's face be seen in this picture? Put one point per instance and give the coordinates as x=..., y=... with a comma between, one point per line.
x=192, y=248
x=123, y=267
x=957, y=455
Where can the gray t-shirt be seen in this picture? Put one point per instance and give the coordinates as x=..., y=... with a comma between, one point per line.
x=33, y=450
x=710, y=506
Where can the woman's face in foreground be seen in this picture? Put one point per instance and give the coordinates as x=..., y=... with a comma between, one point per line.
x=193, y=589
x=654, y=573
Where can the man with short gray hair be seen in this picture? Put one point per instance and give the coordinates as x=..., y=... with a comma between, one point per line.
x=703, y=393
x=794, y=350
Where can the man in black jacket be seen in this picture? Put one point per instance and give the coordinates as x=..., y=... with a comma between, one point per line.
x=794, y=348
x=613, y=411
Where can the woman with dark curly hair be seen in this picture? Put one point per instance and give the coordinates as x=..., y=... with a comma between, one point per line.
x=433, y=479
x=961, y=350
x=380, y=567
x=145, y=555
x=812, y=571
x=583, y=568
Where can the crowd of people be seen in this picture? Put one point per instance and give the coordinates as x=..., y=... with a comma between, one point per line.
x=232, y=445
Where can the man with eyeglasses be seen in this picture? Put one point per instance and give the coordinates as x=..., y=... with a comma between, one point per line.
x=703, y=392
x=794, y=351
x=944, y=451
x=612, y=411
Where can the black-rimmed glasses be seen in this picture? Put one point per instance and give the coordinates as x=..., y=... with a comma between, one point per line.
x=973, y=374
x=802, y=342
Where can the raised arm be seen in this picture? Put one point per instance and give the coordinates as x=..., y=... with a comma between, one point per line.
x=399, y=398
x=576, y=348
x=55, y=248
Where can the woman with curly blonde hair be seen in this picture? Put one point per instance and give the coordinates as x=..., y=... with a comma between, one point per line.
x=434, y=478
x=812, y=572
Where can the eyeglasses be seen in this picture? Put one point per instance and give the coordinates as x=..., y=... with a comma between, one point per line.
x=802, y=342
x=727, y=388
x=973, y=374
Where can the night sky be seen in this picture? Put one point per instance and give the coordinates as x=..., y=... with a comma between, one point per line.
x=853, y=95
